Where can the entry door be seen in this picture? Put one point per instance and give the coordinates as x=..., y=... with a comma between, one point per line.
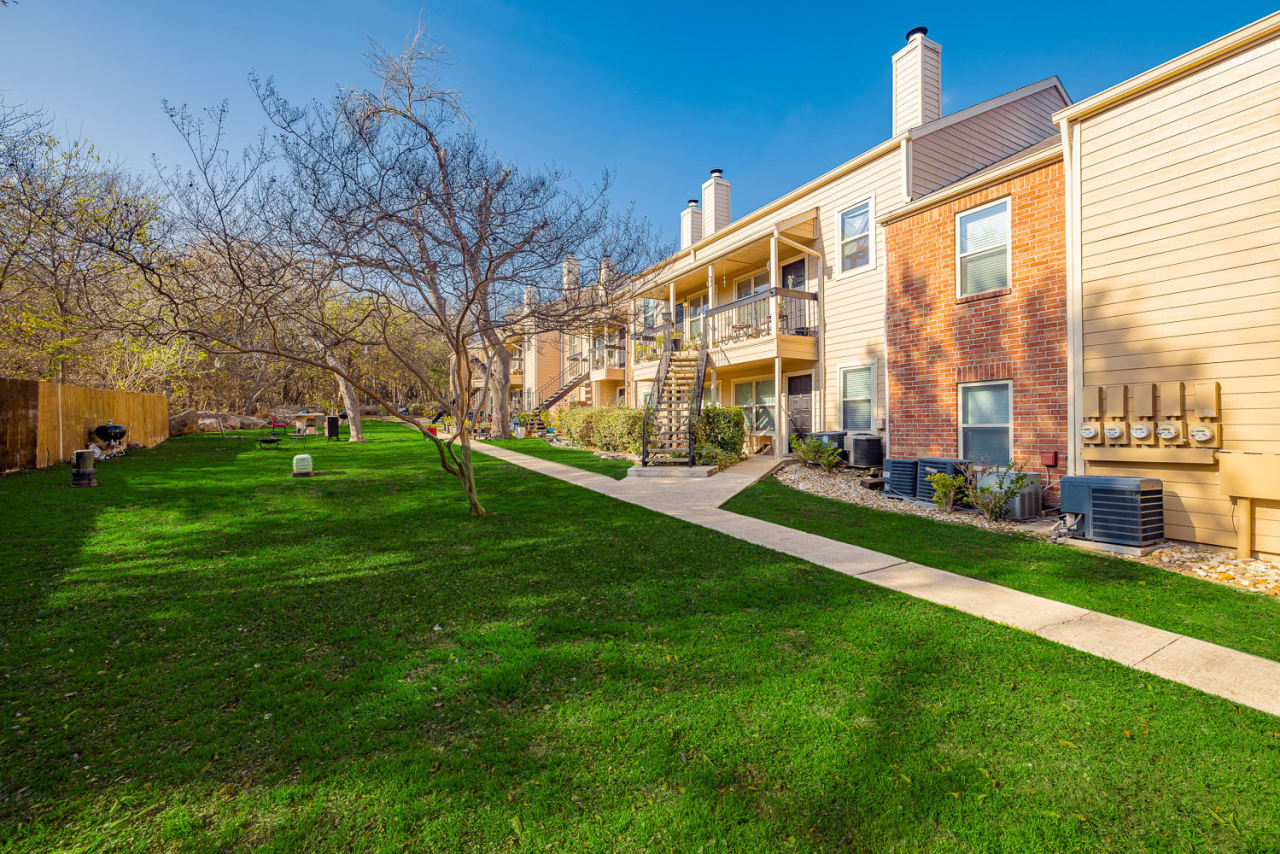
x=799, y=406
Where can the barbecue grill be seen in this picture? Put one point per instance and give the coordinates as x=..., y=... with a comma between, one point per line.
x=111, y=435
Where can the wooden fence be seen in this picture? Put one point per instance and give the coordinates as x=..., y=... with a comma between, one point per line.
x=42, y=424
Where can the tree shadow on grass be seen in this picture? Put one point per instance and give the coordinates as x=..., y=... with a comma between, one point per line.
x=230, y=657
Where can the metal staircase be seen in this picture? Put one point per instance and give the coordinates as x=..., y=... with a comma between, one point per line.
x=675, y=403
x=552, y=392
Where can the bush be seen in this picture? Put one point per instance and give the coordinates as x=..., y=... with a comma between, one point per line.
x=992, y=498
x=946, y=489
x=816, y=451
x=721, y=426
x=577, y=425
x=610, y=428
x=618, y=429
x=711, y=455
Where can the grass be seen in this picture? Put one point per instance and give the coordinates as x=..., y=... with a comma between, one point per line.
x=576, y=457
x=204, y=654
x=1235, y=618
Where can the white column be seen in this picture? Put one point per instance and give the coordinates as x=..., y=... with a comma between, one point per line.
x=775, y=277
x=711, y=303
x=779, y=427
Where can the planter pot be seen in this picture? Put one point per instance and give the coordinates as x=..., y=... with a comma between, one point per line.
x=520, y=432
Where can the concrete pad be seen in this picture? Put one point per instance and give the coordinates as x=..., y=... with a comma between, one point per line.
x=671, y=472
x=1237, y=676
x=1109, y=637
x=980, y=598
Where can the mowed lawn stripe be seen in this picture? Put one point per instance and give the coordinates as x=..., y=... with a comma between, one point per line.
x=205, y=653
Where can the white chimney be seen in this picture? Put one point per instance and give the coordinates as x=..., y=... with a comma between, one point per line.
x=715, y=203
x=917, y=82
x=530, y=297
x=690, y=225
x=569, y=275
x=605, y=274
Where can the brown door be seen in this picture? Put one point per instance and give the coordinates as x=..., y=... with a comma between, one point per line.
x=799, y=406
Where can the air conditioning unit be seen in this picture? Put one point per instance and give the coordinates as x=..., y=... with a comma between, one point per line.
x=900, y=478
x=1126, y=511
x=1029, y=501
x=930, y=466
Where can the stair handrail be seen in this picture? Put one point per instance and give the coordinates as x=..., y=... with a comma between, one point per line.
x=695, y=402
x=570, y=372
x=651, y=408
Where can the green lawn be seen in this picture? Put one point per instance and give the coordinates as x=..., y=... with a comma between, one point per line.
x=1200, y=609
x=204, y=654
x=576, y=457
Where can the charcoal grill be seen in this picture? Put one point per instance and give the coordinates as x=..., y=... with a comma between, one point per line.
x=110, y=435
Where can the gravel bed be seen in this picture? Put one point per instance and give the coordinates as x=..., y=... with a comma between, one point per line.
x=1198, y=561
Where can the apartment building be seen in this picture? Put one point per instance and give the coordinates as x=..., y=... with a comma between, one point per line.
x=1173, y=246
x=977, y=324
x=789, y=300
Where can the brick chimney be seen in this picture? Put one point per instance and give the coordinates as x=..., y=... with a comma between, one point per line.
x=569, y=275
x=690, y=225
x=917, y=82
x=715, y=203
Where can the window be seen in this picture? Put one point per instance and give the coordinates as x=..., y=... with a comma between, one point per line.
x=697, y=308
x=855, y=237
x=757, y=311
x=650, y=309
x=757, y=400
x=856, y=401
x=986, y=423
x=621, y=397
x=982, y=244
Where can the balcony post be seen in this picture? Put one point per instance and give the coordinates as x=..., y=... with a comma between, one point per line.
x=775, y=279
x=779, y=428
x=711, y=303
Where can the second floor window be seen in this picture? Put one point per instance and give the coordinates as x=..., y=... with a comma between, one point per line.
x=855, y=237
x=982, y=244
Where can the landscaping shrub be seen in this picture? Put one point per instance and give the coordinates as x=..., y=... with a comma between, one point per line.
x=946, y=489
x=610, y=428
x=577, y=425
x=711, y=455
x=1003, y=483
x=721, y=426
x=618, y=429
x=816, y=452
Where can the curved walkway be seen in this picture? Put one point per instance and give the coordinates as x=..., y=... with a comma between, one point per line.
x=1236, y=676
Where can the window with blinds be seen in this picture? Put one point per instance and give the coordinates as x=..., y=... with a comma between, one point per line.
x=986, y=423
x=856, y=400
x=982, y=242
x=757, y=400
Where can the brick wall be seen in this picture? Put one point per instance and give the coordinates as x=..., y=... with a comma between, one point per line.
x=936, y=341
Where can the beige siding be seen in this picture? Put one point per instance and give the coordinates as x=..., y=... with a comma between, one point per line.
x=1180, y=265
x=948, y=154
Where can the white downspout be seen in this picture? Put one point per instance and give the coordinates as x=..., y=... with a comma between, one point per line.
x=1075, y=363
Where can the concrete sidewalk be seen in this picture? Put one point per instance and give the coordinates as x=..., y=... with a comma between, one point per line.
x=1236, y=676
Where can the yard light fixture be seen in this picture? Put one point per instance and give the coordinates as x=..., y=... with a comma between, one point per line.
x=302, y=466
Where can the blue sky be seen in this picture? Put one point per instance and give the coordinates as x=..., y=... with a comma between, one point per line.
x=660, y=92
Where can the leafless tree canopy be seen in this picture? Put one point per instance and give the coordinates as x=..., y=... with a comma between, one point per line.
x=379, y=211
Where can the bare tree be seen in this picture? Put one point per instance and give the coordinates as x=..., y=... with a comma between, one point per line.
x=373, y=212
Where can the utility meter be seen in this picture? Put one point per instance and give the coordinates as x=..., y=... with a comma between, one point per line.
x=1205, y=435
x=1143, y=432
x=1117, y=432
x=1172, y=432
x=1090, y=432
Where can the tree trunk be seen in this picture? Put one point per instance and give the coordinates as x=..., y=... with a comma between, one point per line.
x=500, y=368
x=349, y=400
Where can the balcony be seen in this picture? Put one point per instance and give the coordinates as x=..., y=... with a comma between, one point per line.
x=742, y=331
x=608, y=362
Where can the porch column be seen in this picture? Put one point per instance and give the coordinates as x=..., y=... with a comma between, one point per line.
x=711, y=303
x=779, y=426
x=671, y=303
x=775, y=280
